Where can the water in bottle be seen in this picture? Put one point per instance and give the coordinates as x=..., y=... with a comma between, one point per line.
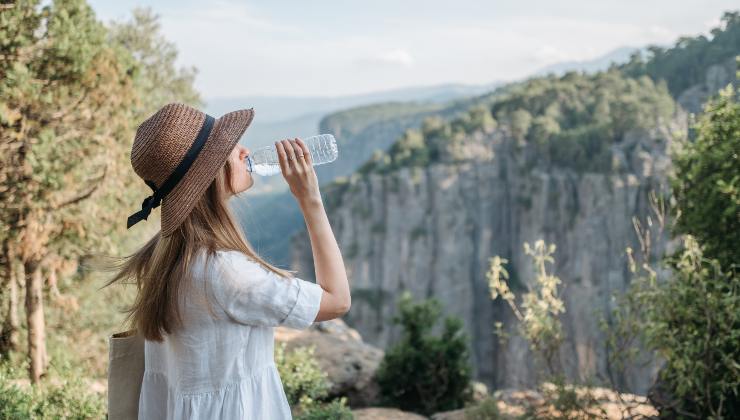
x=264, y=161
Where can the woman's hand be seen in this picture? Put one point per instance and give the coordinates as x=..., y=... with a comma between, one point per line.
x=297, y=168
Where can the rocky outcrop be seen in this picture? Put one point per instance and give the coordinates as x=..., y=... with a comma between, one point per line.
x=597, y=403
x=271, y=219
x=384, y=413
x=432, y=230
x=349, y=362
x=716, y=77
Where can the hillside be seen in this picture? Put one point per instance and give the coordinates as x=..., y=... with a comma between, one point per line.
x=360, y=132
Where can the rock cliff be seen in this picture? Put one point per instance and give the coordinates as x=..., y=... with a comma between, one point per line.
x=431, y=230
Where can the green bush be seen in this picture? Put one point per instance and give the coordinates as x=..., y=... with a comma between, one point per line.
x=300, y=373
x=707, y=181
x=15, y=403
x=540, y=308
x=425, y=373
x=335, y=410
x=306, y=386
x=70, y=400
x=485, y=410
x=693, y=322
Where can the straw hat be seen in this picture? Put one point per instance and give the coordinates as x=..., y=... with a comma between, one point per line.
x=178, y=152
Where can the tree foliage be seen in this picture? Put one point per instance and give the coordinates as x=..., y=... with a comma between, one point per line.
x=693, y=322
x=72, y=92
x=306, y=385
x=426, y=373
x=706, y=184
x=686, y=63
x=573, y=120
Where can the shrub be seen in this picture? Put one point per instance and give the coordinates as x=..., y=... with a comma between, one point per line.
x=707, y=181
x=300, y=374
x=485, y=410
x=306, y=386
x=15, y=403
x=70, y=400
x=693, y=322
x=335, y=410
x=538, y=316
x=425, y=373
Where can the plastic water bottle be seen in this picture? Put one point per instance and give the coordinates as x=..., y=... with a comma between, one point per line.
x=264, y=161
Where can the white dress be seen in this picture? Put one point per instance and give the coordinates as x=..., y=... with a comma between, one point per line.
x=223, y=367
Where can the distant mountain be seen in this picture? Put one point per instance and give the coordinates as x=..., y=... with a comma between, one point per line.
x=273, y=109
x=616, y=56
x=279, y=117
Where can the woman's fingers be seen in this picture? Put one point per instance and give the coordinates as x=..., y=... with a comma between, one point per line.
x=290, y=152
x=306, y=153
x=300, y=158
x=282, y=157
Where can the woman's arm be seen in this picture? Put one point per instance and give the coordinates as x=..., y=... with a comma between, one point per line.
x=329, y=266
x=330, y=273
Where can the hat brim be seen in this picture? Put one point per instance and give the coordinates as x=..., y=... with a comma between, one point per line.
x=226, y=133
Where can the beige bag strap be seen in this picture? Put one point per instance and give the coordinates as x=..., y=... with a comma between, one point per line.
x=125, y=373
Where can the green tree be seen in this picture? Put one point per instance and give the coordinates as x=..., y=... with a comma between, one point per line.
x=686, y=63
x=519, y=121
x=573, y=120
x=156, y=77
x=480, y=118
x=425, y=373
x=409, y=150
x=706, y=184
x=71, y=95
x=63, y=107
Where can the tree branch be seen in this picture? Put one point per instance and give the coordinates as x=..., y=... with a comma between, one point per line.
x=81, y=197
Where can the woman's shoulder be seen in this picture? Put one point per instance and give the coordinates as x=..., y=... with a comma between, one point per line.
x=234, y=260
x=233, y=255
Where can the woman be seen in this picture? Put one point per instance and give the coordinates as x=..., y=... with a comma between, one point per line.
x=207, y=303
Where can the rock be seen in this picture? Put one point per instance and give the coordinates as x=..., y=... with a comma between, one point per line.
x=598, y=402
x=717, y=76
x=480, y=391
x=349, y=362
x=432, y=230
x=381, y=413
x=449, y=415
x=605, y=404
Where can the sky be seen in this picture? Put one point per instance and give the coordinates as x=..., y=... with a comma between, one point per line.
x=343, y=47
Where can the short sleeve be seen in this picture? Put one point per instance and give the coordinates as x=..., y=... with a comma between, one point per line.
x=253, y=295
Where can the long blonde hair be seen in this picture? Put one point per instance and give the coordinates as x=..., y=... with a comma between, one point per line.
x=161, y=268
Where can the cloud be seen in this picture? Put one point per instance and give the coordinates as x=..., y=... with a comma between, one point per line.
x=550, y=54
x=228, y=14
x=661, y=33
x=246, y=47
x=397, y=57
